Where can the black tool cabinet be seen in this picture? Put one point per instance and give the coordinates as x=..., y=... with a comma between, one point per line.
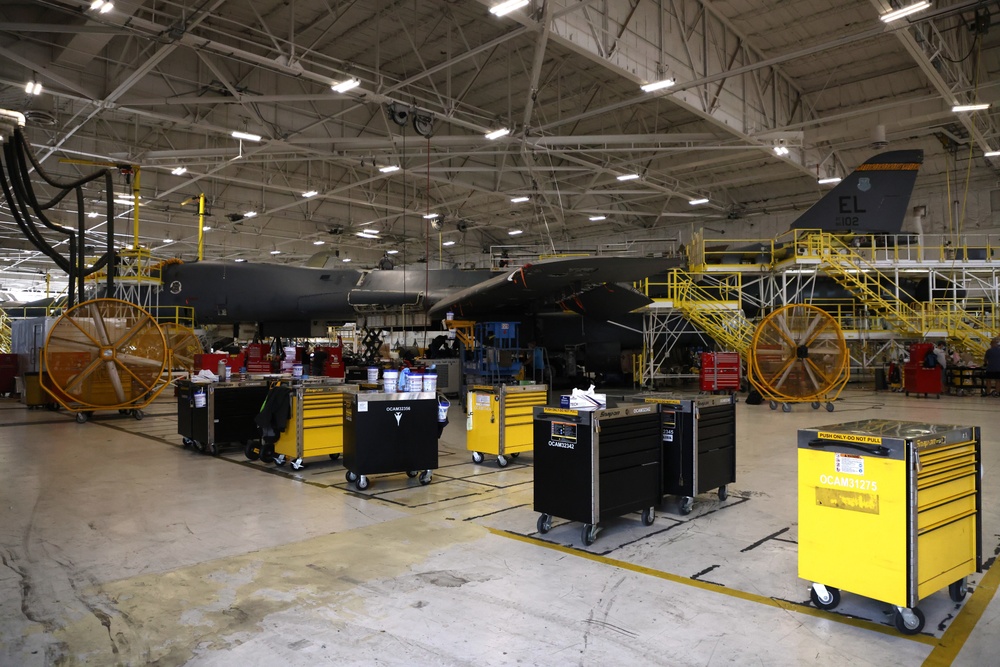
x=225, y=415
x=391, y=432
x=699, y=444
x=594, y=465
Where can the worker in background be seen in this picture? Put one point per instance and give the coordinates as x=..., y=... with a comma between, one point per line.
x=991, y=362
x=942, y=356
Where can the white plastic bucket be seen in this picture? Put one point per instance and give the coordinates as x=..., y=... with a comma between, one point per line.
x=372, y=374
x=415, y=382
x=390, y=378
x=430, y=381
x=296, y=370
x=200, y=399
x=443, y=406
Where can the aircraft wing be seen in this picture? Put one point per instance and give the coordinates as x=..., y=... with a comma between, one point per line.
x=606, y=301
x=548, y=280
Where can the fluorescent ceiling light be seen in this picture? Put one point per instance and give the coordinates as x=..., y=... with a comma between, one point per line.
x=515, y=232
x=33, y=88
x=206, y=228
x=102, y=6
x=958, y=108
x=391, y=252
x=388, y=169
x=695, y=202
x=905, y=11
x=275, y=252
x=991, y=154
x=310, y=193
x=365, y=235
x=178, y=171
x=628, y=177
x=518, y=200
x=448, y=243
x=658, y=85
x=246, y=136
x=829, y=181
x=496, y=134
x=344, y=86
x=780, y=150
x=507, y=7
x=318, y=242
x=595, y=218
x=346, y=259
x=431, y=216
x=94, y=214
x=125, y=202
x=239, y=259
x=167, y=241
x=250, y=214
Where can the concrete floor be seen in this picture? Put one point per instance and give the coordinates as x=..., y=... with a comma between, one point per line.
x=121, y=547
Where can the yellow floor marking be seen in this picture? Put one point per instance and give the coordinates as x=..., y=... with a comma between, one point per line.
x=722, y=590
x=954, y=637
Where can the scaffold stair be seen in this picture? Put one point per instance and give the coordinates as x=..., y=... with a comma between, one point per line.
x=718, y=315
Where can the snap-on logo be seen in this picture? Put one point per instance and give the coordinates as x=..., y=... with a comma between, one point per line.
x=399, y=415
x=397, y=411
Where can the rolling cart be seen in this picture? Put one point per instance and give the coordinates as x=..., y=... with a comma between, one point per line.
x=699, y=444
x=394, y=432
x=499, y=421
x=889, y=510
x=593, y=465
x=212, y=413
x=316, y=423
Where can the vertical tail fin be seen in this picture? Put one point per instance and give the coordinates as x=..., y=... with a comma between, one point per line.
x=873, y=199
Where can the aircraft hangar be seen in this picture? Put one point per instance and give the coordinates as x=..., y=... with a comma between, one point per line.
x=634, y=182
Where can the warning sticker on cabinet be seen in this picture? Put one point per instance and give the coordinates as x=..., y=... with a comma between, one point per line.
x=362, y=406
x=850, y=464
x=482, y=401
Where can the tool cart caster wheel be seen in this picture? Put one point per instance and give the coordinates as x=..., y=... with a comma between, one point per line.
x=773, y=405
x=334, y=457
x=687, y=504
x=829, y=407
x=266, y=455
x=214, y=449
x=251, y=450
x=197, y=446
x=425, y=477
x=515, y=455
x=785, y=407
x=648, y=516
x=412, y=473
x=815, y=405
x=830, y=601
x=187, y=442
x=589, y=533
x=351, y=477
x=279, y=460
x=297, y=464
x=723, y=492
x=956, y=591
x=477, y=457
x=123, y=411
x=137, y=414
x=81, y=417
x=909, y=621
x=502, y=461
x=362, y=483
x=544, y=523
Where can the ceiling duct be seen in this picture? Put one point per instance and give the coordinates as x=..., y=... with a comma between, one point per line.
x=878, y=138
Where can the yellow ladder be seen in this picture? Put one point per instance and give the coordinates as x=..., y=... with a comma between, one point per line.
x=717, y=310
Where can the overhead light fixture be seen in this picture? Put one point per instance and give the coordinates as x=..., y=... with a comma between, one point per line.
x=94, y=214
x=507, y=7
x=596, y=218
x=344, y=86
x=246, y=136
x=275, y=252
x=829, y=181
x=388, y=169
x=123, y=202
x=695, y=202
x=431, y=216
x=628, y=177
x=250, y=214
x=780, y=150
x=496, y=134
x=391, y=252
x=518, y=200
x=366, y=235
x=958, y=108
x=658, y=85
x=206, y=228
x=515, y=232
x=448, y=243
x=102, y=6
x=991, y=154
x=905, y=11
x=178, y=171
x=318, y=242
x=33, y=87
x=346, y=259
x=310, y=193
x=239, y=259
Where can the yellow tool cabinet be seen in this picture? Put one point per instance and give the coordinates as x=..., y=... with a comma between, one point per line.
x=500, y=421
x=889, y=510
x=316, y=426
